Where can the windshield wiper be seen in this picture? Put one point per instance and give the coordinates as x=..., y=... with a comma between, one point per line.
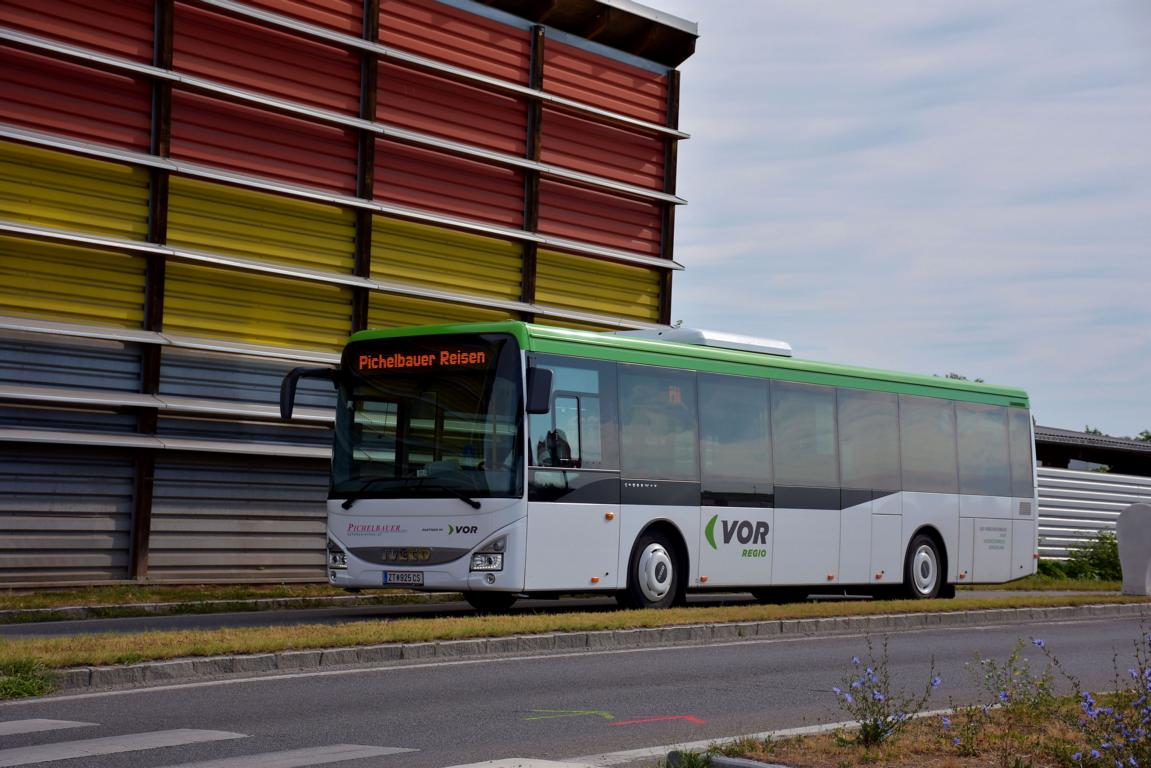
x=457, y=493
x=420, y=481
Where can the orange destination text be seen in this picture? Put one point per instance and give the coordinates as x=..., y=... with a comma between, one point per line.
x=397, y=360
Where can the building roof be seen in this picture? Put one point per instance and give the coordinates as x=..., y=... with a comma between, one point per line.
x=621, y=24
x=1088, y=440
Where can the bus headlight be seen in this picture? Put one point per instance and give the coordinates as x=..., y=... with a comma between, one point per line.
x=490, y=557
x=337, y=557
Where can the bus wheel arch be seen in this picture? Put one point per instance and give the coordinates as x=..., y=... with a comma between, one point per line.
x=925, y=566
x=657, y=568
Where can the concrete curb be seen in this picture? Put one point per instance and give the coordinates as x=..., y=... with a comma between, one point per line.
x=392, y=654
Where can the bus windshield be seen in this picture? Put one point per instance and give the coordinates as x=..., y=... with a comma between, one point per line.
x=430, y=417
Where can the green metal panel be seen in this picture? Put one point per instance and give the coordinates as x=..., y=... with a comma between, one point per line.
x=52, y=189
x=602, y=346
x=445, y=259
x=260, y=226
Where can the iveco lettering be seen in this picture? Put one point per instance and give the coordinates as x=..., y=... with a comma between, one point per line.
x=509, y=459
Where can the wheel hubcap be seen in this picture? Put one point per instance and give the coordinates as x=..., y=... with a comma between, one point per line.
x=924, y=570
x=655, y=572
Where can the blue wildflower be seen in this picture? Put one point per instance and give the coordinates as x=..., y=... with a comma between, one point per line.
x=1003, y=696
x=877, y=695
x=935, y=682
x=957, y=741
x=946, y=722
x=837, y=690
x=1037, y=642
x=855, y=660
x=848, y=697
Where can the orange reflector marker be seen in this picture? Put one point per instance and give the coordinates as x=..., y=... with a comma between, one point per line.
x=831, y=577
x=702, y=579
x=595, y=579
x=609, y=515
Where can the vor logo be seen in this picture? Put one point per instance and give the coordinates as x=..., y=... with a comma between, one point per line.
x=750, y=533
x=462, y=529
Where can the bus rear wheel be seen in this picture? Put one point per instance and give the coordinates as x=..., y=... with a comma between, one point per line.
x=653, y=574
x=923, y=569
x=490, y=602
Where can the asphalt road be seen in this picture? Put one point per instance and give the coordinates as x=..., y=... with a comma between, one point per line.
x=339, y=615
x=555, y=707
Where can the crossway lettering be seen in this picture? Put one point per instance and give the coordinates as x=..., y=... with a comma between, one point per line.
x=180, y=737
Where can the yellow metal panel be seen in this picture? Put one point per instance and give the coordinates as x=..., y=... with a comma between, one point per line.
x=220, y=304
x=70, y=284
x=260, y=226
x=385, y=311
x=52, y=189
x=446, y=260
x=601, y=287
x=558, y=323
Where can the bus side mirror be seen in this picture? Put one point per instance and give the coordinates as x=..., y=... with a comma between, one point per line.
x=539, y=390
x=288, y=385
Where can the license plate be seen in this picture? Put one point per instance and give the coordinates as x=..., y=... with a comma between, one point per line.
x=406, y=578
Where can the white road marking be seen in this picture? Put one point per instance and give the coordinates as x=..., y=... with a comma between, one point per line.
x=619, y=758
x=299, y=758
x=110, y=745
x=36, y=725
x=521, y=762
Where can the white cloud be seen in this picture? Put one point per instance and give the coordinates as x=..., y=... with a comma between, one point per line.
x=959, y=185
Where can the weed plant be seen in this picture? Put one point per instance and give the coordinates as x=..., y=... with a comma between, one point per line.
x=1011, y=722
x=1116, y=726
x=22, y=677
x=867, y=695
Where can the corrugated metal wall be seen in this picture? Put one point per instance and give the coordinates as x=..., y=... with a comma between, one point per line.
x=197, y=196
x=1074, y=506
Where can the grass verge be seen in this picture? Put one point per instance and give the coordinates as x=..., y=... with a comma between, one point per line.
x=118, y=599
x=106, y=649
x=22, y=677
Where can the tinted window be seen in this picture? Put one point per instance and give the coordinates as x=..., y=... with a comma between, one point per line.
x=983, y=465
x=803, y=434
x=1022, y=463
x=657, y=423
x=735, y=435
x=927, y=444
x=579, y=429
x=868, y=440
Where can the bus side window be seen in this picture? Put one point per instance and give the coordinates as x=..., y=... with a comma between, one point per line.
x=579, y=429
x=560, y=444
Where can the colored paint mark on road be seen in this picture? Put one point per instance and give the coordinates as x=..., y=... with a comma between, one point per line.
x=690, y=718
x=550, y=714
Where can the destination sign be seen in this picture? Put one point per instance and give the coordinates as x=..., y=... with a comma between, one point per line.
x=442, y=358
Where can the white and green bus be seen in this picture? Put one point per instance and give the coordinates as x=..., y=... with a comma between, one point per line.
x=508, y=459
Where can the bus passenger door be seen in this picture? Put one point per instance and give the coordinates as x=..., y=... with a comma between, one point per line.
x=573, y=488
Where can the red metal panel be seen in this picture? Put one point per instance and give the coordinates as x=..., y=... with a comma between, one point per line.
x=614, y=152
x=245, y=54
x=252, y=141
x=123, y=28
x=451, y=35
x=424, y=179
x=604, y=82
x=68, y=99
x=599, y=217
x=341, y=15
x=435, y=105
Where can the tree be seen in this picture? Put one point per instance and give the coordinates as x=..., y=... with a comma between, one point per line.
x=1144, y=436
x=960, y=377
x=1092, y=430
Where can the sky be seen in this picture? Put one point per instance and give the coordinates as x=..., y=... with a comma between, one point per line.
x=929, y=186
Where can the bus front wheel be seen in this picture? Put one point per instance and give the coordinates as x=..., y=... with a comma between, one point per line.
x=653, y=574
x=490, y=602
x=923, y=577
